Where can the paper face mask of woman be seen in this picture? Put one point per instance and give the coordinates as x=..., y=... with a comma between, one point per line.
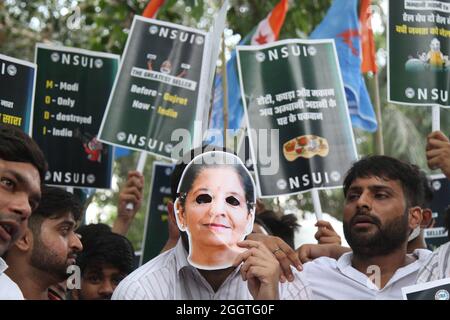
x=215, y=208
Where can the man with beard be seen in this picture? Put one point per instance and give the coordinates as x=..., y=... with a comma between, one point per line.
x=379, y=215
x=416, y=240
x=22, y=168
x=50, y=245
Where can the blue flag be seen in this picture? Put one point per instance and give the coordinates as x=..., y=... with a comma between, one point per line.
x=121, y=152
x=266, y=31
x=342, y=24
x=235, y=106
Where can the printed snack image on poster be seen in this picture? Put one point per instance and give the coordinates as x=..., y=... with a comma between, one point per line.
x=297, y=115
x=157, y=89
x=419, y=49
x=216, y=207
x=17, y=79
x=72, y=91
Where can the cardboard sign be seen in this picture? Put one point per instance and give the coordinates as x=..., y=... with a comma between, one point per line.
x=158, y=88
x=419, y=47
x=17, y=79
x=437, y=235
x=299, y=125
x=433, y=290
x=72, y=90
x=156, y=228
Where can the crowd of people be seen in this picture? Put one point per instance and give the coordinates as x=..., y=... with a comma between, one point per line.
x=223, y=244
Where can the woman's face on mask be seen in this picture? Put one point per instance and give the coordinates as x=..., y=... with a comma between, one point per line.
x=215, y=211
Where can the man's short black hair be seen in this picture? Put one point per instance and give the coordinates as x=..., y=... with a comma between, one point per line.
x=103, y=247
x=282, y=225
x=55, y=203
x=388, y=168
x=425, y=202
x=17, y=146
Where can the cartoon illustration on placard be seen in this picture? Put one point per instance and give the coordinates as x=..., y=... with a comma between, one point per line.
x=433, y=59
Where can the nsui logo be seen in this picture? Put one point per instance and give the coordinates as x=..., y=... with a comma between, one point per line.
x=174, y=34
x=442, y=295
x=76, y=60
x=8, y=69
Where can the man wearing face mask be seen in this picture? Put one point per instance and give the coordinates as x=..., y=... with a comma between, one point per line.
x=170, y=275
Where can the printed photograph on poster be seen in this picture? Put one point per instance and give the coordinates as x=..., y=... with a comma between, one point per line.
x=418, y=52
x=157, y=89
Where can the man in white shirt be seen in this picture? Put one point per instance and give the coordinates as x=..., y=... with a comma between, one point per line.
x=41, y=257
x=170, y=276
x=8, y=288
x=378, y=217
x=22, y=168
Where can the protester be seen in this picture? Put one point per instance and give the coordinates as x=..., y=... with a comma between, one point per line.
x=107, y=258
x=438, y=156
x=170, y=276
x=326, y=234
x=379, y=215
x=40, y=258
x=283, y=251
x=22, y=169
x=216, y=207
x=280, y=225
x=416, y=240
x=131, y=193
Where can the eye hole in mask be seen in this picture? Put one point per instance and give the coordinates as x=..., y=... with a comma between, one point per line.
x=232, y=201
x=203, y=198
x=206, y=198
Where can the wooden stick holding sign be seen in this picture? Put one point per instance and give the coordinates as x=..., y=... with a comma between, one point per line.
x=224, y=91
x=317, y=205
x=140, y=169
x=436, y=118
